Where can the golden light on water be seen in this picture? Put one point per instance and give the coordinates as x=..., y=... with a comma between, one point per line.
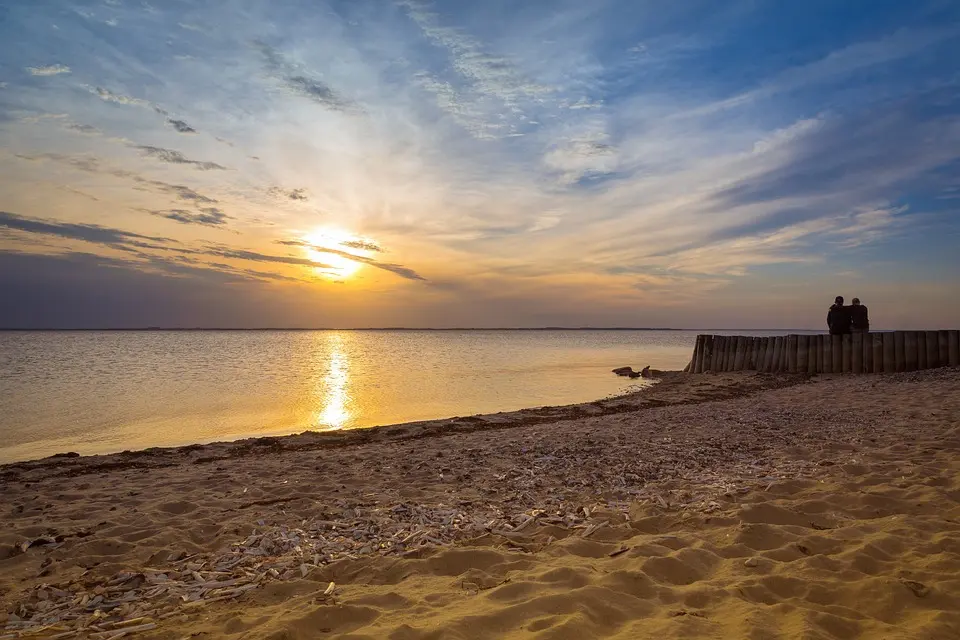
x=334, y=388
x=340, y=241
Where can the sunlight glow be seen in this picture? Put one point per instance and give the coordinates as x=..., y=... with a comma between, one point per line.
x=334, y=413
x=338, y=239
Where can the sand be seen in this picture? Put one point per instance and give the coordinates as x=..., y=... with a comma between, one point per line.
x=713, y=506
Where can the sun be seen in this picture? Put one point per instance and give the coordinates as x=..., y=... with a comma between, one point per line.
x=343, y=244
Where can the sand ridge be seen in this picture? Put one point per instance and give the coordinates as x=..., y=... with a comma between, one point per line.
x=820, y=510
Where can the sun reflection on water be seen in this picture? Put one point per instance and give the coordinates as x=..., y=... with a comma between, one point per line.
x=334, y=388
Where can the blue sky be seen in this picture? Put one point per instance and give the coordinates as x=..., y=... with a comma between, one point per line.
x=689, y=164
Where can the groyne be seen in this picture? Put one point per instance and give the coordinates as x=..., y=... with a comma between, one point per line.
x=877, y=352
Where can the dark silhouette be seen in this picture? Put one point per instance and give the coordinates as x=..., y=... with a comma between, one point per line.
x=860, y=323
x=838, y=318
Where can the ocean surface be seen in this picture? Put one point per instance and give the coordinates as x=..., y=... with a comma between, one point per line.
x=101, y=392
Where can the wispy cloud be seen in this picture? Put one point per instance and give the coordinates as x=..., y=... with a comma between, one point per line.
x=181, y=126
x=84, y=128
x=180, y=191
x=72, y=231
x=109, y=96
x=404, y=272
x=49, y=70
x=363, y=245
x=400, y=270
x=302, y=83
x=126, y=240
x=175, y=157
x=207, y=216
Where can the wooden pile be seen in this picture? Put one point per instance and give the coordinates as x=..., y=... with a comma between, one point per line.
x=882, y=352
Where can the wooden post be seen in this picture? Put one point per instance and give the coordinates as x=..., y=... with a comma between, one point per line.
x=707, y=353
x=827, y=354
x=768, y=356
x=750, y=361
x=731, y=352
x=717, y=354
x=836, y=345
x=761, y=354
x=818, y=346
x=743, y=352
x=910, y=345
x=777, y=353
x=808, y=354
x=867, y=353
x=702, y=355
x=705, y=347
x=757, y=356
x=725, y=355
x=954, y=343
x=943, y=346
x=847, y=354
x=933, y=350
x=877, y=339
x=899, y=351
x=922, y=350
x=791, y=347
x=694, y=362
x=856, y=356
x=889, y=354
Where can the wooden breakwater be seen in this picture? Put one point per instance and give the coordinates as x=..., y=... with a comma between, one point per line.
x=879, y=352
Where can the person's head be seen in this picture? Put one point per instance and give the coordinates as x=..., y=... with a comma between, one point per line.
x=856, y=302
x=838, y=300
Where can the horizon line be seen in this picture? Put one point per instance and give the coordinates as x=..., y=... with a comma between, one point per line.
x=545, y=328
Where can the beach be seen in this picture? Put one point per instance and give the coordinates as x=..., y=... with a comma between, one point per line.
x=736, y=505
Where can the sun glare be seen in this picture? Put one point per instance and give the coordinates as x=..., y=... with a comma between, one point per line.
x=340, y=241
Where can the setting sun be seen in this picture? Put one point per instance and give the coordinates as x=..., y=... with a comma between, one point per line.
x=333, y=247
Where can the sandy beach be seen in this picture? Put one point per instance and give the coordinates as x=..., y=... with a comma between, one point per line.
x=713, y=506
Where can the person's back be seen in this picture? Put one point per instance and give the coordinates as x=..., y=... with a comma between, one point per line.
x=838, y=318
x=859, y=321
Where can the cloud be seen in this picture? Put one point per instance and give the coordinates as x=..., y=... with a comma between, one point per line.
x=84, y=128
x=582, y=158
x=92, y=233
x=109, y=96
x=49, y=70
x=301, y=83
x=254, y=256
x=135, y=242
x=400, y=270
x=180, y=191
x=363, y=245
x=490, y=93
x=92, y=164
x=181, y=126
x=293, y=194
x=207, y=216
x=175, y=157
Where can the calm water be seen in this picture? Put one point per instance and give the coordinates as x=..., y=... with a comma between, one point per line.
x=98, y=392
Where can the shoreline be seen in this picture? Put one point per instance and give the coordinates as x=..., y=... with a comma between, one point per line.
x=729, y=505
x=668, y=388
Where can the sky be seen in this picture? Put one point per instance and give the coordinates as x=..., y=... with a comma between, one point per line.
x=367, y=163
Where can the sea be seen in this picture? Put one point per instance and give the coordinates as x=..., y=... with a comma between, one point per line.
x=96, y=392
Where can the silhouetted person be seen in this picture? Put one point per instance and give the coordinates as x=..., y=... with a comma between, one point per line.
x=838, y=318
x=859, y=322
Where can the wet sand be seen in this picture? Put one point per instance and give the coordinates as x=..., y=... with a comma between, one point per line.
x=714, y=506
